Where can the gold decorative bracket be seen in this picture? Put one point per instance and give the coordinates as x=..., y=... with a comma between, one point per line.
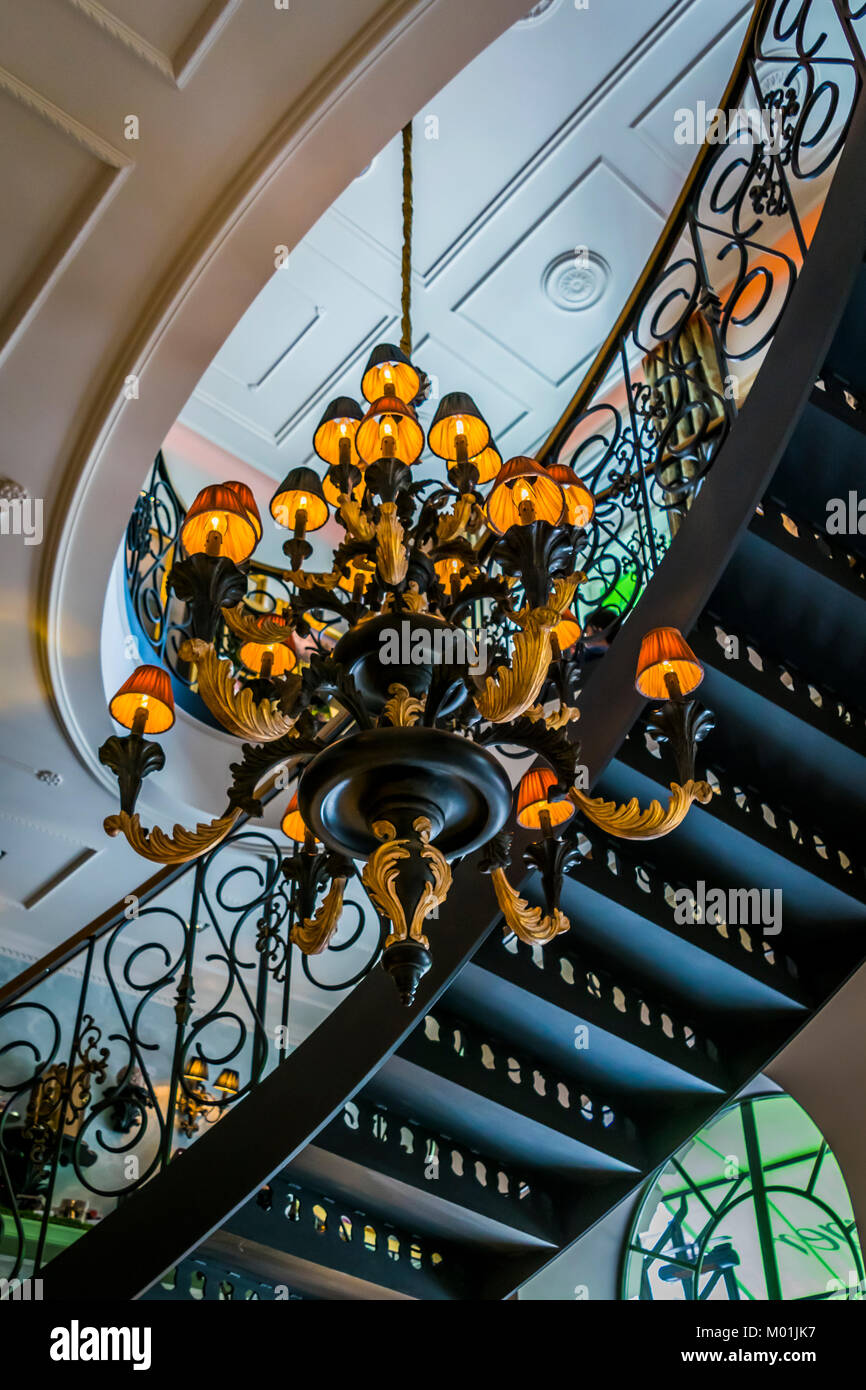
x=512, y=690
x=238, y=713
x=629, y=822
x=264, y=630
x=402, y=710
x=177, y=848
x=313, y=935
x=391, y=556
x=529, y=924
x=381, y=877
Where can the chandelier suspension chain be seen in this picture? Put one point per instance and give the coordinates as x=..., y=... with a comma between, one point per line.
x=406, y=268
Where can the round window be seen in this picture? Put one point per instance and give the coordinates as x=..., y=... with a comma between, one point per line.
x=754, y=1207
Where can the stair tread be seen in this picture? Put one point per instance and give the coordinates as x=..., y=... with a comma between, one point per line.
x=544, y=1014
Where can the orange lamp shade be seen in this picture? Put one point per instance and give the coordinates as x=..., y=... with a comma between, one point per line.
x=390, y=373
x=567, y=631
x=293, y=824
x=149, y=690
x=248, y=502
x=667, y=666
x=300, y=492
x=279, y=656
x=347, y=581
x=579, y=501
x=195, y=1069
x=488, y=463
x=333, y=496
x=390, y=429
x=334, y=440
x=458, y=430
x=218, y=512
x=446, y=570
x=228, y=1081
x=522, y=493
x=532, y=802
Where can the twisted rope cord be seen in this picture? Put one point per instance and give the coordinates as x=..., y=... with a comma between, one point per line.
x=406, y=267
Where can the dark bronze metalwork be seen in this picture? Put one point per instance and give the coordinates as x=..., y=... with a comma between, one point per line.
x=131, y=758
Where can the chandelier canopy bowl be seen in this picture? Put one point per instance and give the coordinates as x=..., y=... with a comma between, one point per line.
x=397, y=775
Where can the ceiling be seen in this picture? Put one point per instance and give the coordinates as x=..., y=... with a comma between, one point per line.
x=560, y=135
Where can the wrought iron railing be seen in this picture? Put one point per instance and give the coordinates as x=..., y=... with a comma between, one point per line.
x=157, y=618
x=662, y=395
x=125, y=1045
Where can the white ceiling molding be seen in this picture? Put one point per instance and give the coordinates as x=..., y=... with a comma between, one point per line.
x=100, y=180
x=178, y=66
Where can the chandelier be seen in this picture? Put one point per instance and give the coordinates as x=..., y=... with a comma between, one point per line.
x=444, y=630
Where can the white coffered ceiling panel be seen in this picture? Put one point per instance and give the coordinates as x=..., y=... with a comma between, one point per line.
x=560, y=135
x=693, y=83
x=507, y=299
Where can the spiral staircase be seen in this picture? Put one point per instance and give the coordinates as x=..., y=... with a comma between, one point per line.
x=452, y=1150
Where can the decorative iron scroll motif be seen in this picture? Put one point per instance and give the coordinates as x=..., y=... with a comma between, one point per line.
x=117, y=1058
x=666, y=390
x=151, y=550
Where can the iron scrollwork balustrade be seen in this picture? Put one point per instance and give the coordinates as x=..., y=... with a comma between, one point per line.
x=112, y=1060
x=664, y=392
x=152, y=546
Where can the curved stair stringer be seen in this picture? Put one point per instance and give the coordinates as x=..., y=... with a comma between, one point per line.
x=684, y=581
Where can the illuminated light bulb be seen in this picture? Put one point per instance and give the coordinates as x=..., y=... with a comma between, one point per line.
x=459, y=427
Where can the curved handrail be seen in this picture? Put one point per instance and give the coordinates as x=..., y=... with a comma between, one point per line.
x=742, y=74
x=673, y=227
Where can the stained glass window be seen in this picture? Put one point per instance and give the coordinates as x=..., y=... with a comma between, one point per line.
x=754, y=1207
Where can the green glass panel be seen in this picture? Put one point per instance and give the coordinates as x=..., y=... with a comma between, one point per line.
x=729, y=1220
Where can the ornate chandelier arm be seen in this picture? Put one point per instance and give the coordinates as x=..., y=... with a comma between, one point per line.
x=452, y=525
x=559, y=719
x=312, y=937
x=629, y=822
x=511, y=691
x=355, y=520
x=391, y=555
x=539, y=736
x=176, y=848
x=238, y=713
x=527, y=923
x=262, y=630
